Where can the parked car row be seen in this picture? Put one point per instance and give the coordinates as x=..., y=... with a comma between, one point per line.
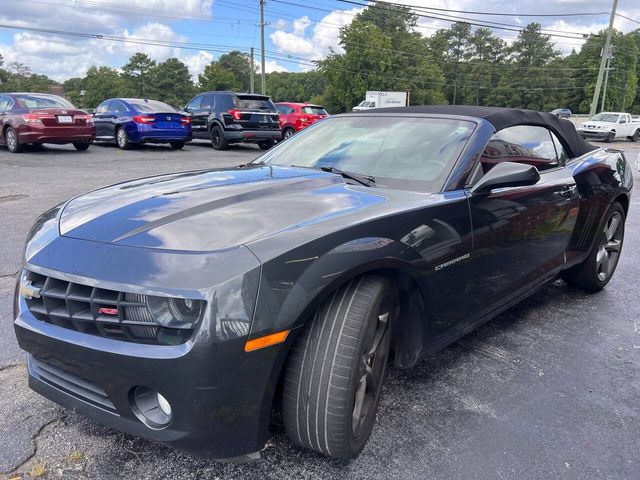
x=223, y=118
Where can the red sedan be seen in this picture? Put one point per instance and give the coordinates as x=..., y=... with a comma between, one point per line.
x=28, y=118
x=296, y=116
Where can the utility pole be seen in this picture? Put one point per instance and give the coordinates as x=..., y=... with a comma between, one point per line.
x=264, y=89
x=606, y=79
x=253, y=71
x=455, y=90
x=605, y=51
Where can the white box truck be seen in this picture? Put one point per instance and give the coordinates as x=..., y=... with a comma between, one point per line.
x=375, y=99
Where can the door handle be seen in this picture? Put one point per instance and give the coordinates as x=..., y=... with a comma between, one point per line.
x=568, y=191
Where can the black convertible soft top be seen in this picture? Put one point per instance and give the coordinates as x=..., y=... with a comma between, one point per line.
x=507, y=117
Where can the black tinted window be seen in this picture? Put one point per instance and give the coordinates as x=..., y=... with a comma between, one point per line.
x=102, y=108
x=118, y=107
x=195, y=104
x=284, y=109
x=254, y=103
x=5, y=103
x=522, y=144
x=207, y=103
x=151, y=106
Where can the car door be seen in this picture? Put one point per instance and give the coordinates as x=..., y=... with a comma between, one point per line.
x=198, y=120
x=101, y=119
x=6, y=102
x=118, y=114
x=521, y=234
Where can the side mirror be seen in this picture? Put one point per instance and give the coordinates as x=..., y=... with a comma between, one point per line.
x=507, y=174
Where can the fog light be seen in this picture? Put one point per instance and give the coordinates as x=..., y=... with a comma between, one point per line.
x=151, y=408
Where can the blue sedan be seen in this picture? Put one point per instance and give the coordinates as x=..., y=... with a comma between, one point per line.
x=131, y=121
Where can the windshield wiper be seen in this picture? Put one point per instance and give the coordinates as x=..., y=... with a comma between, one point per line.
x=365, y=180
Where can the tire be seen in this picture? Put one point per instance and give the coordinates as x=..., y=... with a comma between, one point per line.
x=636, y=136
x=266, y=145
x=12, y=141
x=81, y=145
x=122, y=139
x=176, y=145
x=287, y=132
x=326, y=405
x=611, y=137
x=594, y=273
x=218, y=140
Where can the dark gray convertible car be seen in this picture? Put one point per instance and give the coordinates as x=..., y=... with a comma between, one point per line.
x=182, y=308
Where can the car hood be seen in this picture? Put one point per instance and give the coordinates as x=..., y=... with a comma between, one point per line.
x=211, y=210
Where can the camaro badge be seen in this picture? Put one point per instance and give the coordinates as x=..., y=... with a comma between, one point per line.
x=452, y=261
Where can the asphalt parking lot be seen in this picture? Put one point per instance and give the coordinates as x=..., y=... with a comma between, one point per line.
x=549, y=389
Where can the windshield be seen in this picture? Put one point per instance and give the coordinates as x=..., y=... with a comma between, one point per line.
x=151, y=106
x=314, y=110
x=254, y=103
x=34, y=101
x=606, y=117
x=399, y=152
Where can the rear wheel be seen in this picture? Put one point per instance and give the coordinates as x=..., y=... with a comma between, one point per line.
x=594, y=273
x=12, y=141
x=266, y=145
x=122, y=139
x=611, y=137
x=287, y=132
x=335, y=371
x=81, y=145
x=218, y=140
x=176, y=145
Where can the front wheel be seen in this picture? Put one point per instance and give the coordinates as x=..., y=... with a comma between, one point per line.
x=266, y=145
x=176, y=145
x=594, y=273
x=81, y=145
x=636, y=136
x=335, y=371
x=12, y=141
x=610, y=138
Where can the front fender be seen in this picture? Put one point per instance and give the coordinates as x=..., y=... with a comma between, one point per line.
x=291, y=288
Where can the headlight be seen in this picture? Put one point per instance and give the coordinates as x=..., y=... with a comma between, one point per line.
x=175, y=312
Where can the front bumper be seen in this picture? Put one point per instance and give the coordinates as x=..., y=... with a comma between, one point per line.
x=217, y=395
x=220, y=395
x=593, y=134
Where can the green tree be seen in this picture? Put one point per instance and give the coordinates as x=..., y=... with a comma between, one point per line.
x=382, y=51
x=136, y=73
x=232, y=71
x=100, y=84
x=171, y=83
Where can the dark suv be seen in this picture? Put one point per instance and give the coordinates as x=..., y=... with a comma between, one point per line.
x=227, y=117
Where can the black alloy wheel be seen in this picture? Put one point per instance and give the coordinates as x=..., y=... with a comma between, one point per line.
x=218, y=140
x=337, y=366
x=594, y=273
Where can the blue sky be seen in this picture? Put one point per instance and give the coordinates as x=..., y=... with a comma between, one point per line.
x=298, y=31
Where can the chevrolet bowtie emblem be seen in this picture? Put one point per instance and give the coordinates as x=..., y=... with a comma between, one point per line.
x=27, y=290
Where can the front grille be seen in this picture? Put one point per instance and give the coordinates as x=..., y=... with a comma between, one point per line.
x=98, y=311
x=71, y=384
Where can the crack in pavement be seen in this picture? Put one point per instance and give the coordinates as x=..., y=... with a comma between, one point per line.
x=7, y=275
x=11, y=365
x=35, y=439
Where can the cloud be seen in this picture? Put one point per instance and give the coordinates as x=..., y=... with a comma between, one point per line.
x=273, y=66
x=196, y=63
x=324, y=36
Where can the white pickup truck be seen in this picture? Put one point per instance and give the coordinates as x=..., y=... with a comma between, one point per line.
x=608, y=126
